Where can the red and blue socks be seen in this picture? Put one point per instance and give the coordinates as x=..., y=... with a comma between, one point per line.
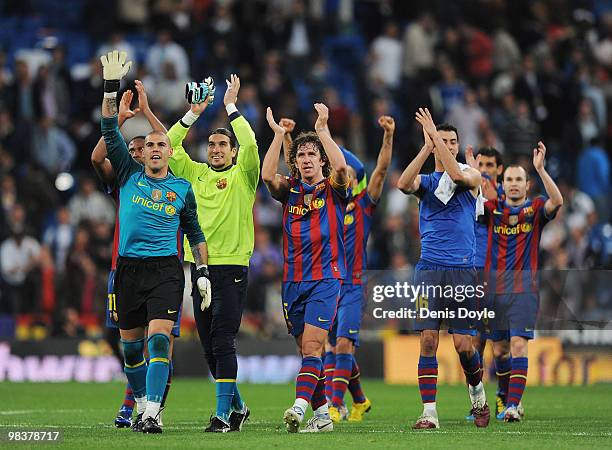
x=471, y=367
x=135, y=368
x=128, y=400
x=342, y=376
x=428, y=378
x=329, y=363
x=157, y=375
x=354, y=386
x=518, y=380
x=318, y=400
x=306, y=383
x=503, y=367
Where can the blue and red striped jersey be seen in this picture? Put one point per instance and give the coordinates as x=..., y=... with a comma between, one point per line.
x=513, y=244
x=313, y=218
x=482, y=229
x=357, y=224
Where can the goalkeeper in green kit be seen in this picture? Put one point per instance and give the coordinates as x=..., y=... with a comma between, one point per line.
x=224, y=188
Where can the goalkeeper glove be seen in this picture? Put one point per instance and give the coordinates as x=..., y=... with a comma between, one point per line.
x=211, y=89
x=203, y=283
x=114, y=68
x=196, y=93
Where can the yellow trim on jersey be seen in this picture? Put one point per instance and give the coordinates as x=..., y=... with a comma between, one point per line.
x=135, y=365
x=503, y=373
x=226, y=380
x=356, y=376
x=163, y=360
x=344, y=380
x=427, y=376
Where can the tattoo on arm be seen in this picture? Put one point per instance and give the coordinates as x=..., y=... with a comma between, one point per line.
x=110, y=106
x=200, y=254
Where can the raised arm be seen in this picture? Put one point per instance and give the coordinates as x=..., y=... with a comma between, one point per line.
x=248, y=155
x=334, y=154
x=275, y=182
x=555, y=199
x=410, y=181
x=99, y=161
x=143, y=106
x=470, y=177
x=181, y=163
x=115, y=68
x=289, y=126
x=377, y=180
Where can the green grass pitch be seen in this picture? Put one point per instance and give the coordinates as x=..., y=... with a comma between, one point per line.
x=556, y=417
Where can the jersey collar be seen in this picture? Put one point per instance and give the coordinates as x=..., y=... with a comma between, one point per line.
x=221, y=170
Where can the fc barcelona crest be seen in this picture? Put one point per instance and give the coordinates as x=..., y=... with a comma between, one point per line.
x=156, y=195
x=513, y=220
x=222, y=183
x=171, y=196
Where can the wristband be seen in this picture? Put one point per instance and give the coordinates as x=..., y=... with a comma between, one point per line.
x=231, y=108
x=110, y=95
x=202, y=271
x=111, y=85
x=189, y=118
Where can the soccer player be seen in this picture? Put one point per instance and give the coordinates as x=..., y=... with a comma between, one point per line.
x=339, y=365
x=344, y=336
x=447, y=211
x=105, y=172
x=314, y=200
x=225, y=191
x=489, y=163
x=149, y=280
x=515, y=226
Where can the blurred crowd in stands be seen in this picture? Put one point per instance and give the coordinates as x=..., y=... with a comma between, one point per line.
x=505, y=73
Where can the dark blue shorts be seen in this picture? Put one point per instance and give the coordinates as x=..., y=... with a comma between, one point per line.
x=485, y=326
x=111, y=308
x=312, y=302
x=516, y=314
x=348, y=316
x=450, y=295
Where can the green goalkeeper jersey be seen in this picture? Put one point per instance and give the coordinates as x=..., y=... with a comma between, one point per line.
x=225, y=197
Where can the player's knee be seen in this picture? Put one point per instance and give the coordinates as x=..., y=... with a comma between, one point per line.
x=159, y=345
x=429, y=344
x=518, y=346
x=463, y=344
x=312, y=348
x=223, y=345
x=501, y=350
x=344, y=345
x=133, y=351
